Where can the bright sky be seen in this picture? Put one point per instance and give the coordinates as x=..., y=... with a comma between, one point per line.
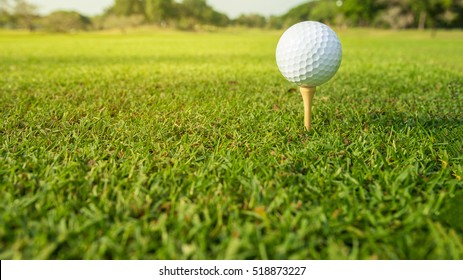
x=231, y=7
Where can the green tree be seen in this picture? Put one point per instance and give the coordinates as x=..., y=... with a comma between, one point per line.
x=200, y=12
x=297, y=14
x=421, y=8
x=421, y=14
x=361, y=12
x=251, y=20
x=159, y=10
x=187, y=14
x=458, y=9
x=395, y=14
x=5, y=13
x=325, y=11
x=120, y=22
x=194, y=8
x=26, y=14
x=430, y=12
x=275, y=22
x=66, y=21
x=128, y=7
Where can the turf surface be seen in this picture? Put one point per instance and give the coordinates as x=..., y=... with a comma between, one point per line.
x=166, y=145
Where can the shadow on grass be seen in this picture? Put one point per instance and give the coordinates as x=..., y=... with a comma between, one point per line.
x=441, y=122
x=445, y=129
x=452, y=212
x=401, y=120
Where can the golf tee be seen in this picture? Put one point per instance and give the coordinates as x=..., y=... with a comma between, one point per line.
x=307, y=96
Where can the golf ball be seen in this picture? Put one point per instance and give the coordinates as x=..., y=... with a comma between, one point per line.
x=309, y=53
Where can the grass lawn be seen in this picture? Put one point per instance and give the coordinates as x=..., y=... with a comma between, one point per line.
x=169, y=145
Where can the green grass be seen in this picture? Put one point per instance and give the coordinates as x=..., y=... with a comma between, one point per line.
x=171, y=145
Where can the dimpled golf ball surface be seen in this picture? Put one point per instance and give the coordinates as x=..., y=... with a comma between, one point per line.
x=309, y=53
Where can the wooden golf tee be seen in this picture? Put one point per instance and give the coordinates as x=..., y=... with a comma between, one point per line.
x=307, y=96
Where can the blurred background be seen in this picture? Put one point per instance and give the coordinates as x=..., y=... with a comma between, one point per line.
x=195, y=15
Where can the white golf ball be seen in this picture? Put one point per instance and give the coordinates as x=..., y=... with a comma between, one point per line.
x=309, y=53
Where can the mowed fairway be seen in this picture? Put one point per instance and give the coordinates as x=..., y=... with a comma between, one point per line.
x=169, y=145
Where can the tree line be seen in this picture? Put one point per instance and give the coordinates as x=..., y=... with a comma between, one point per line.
x=194, y=14
x=396, y=14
